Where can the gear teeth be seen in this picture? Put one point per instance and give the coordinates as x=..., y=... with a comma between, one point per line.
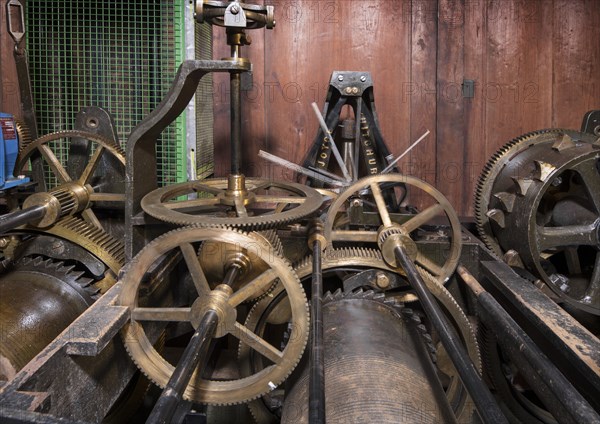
x=28, y=148
x=543, y=170
x=522, y=185
x=58, y=269
x=293, y=363
x=486, y=179
x=497, y=217
x=563, y=143
x=507, y=200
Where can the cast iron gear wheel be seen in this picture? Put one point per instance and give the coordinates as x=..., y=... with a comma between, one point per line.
x=440, y=207
x=202, y=390
x=80, y=184
x=483, y=190
x=250, y=204
x=544, y=203
x=274, y=310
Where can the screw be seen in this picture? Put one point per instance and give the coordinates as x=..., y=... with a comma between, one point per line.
x=348, y=90
x=557, y=181
x=235, y=9
x=357, y=203
x=3, y=242
x=382, y=280
x=363, y=78
x=354, y=90
x=340, y=78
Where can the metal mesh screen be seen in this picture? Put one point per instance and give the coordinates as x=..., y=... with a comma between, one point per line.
x=119, y=55
x=204, y=106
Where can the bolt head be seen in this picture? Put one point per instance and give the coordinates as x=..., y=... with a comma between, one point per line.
x=363, y=78
x=340, y=78
x=382, y=280
x=235, y=9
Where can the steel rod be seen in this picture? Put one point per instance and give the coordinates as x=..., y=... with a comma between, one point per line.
x=486, y=405
x=316, y=387
x=15, y=219
x=195, y=354
x=236, y=122
x=550, y=385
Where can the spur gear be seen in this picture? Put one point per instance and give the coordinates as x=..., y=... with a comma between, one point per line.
x=483, y=190
x=390, y=230
x=274, y=310
x=541, y=198
x=202, y=389
x=251, y=204
x=73, y=194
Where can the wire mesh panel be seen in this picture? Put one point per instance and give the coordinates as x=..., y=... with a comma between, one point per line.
x=204, y=106
x=119, y=55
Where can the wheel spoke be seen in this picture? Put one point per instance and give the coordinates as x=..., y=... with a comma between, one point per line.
x=198, y=277
x=192, y=203
x=204, y=188
x=261, y=186
x=59, y=171
x=254, y=288
x=422, y=217
x=91, y=166
x=592, y=293
x=265, y=198
x=107, y=197
x=161, y=314
x=381, y=207
x=570, y=235
x=591, y=180
x=573, y=262
x=257, y=343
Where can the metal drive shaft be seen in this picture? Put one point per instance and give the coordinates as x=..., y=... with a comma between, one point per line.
x=316, y=388
x=486, y=405
x=16, y=219
x=195, y=353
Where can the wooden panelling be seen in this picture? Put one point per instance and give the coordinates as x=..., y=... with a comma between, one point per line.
x=536, y=64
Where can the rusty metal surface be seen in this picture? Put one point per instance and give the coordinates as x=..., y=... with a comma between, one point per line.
x=574, y=349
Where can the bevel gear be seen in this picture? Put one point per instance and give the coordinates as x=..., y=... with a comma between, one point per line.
x=224, y=301
x=251, y=204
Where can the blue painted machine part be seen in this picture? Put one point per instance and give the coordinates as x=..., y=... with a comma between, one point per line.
x=9, y=149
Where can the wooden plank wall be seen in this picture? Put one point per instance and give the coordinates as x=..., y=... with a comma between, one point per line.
x=536, y=64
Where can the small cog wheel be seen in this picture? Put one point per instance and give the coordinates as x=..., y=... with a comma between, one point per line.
x=251, y=204
x=222, y=299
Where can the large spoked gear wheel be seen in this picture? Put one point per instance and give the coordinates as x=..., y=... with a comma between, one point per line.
x=74, y=193
x=203, y=390
x=544, y=203
x=483, y=191
x=441, y=268
x=251, y=204
x=274, y=310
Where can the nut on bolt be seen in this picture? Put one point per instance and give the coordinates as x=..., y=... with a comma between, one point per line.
x=382, y=280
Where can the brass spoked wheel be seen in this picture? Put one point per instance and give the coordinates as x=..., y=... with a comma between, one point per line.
x=224, y=300
x=235, y=201
x=76, y=193
x=441, y=264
